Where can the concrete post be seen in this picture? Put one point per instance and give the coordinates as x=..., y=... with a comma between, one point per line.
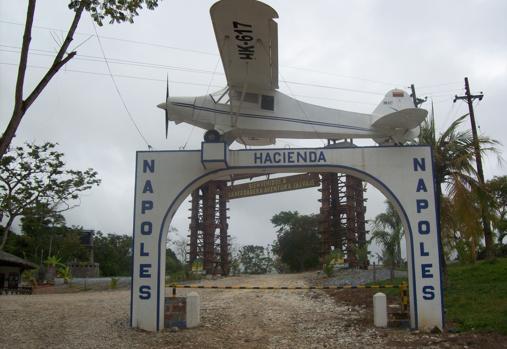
x=193, y=310
x=380, y=310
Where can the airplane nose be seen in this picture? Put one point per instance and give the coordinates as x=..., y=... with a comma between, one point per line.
x=178, y=108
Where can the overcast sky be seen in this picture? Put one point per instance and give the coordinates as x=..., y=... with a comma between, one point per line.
x=368, y=46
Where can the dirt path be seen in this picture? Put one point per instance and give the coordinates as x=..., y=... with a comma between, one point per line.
x=230, y=319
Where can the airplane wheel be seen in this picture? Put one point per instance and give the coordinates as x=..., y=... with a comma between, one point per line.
x=212, y=136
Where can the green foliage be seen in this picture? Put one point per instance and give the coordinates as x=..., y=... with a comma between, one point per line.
x=65, y=273
x=116, y=11
x=172, y=263
x=298, y=242
x=33, y=178
x=465, y=252
x=497, y=188
x=388, y=233
x=30, y=276
x=255, y=259
x=330, y=262
x=113, y=253
x=53, y=261
x=114, y=283
x=41, y=237
x=363, y=255
x=454, y=161
x=476, y=298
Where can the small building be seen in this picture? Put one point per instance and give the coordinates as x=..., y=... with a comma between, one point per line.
x=11, y=268
x=88, y=269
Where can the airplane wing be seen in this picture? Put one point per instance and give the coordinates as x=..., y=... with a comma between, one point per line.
x=247, y=38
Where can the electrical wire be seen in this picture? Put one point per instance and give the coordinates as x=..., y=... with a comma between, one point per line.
x=344, y=76
x=120, y=61
x=304, y=113
x=207, y=91
x=116, y=75
x=438, y=85
x=118, y=91
x=118, y=39
x=138, y=42
x=185, y=69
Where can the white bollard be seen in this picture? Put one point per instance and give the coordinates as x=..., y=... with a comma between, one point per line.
x=379, y=310
x=193, y=310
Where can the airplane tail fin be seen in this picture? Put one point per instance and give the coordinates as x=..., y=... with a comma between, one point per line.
x=397, y=111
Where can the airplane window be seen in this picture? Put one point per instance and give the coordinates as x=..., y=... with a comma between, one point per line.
x=249, y=97
x=268, y=102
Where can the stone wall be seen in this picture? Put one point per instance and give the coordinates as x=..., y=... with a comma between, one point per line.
x=82, y=270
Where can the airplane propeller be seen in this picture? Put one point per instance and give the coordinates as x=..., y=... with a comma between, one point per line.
x=166, y=111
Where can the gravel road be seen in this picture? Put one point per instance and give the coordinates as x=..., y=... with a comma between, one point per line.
x=230, y=319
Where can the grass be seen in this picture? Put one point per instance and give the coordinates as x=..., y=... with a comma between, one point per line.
x=395, y=292
x=476, y=298
x=180, y=276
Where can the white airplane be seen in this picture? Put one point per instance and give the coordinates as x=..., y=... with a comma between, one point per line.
x=251, y=111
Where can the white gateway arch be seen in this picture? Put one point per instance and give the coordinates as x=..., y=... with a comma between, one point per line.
x=403, y=174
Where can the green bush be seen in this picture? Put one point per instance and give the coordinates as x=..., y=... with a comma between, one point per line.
x=114, y=283
x=330, y=261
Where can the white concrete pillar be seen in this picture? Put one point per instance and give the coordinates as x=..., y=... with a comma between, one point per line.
x=193, y=310
x=380, y=310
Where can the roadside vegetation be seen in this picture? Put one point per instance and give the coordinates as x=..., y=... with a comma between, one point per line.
x=476, y=298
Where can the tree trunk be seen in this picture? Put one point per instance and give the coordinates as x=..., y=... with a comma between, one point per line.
x=443, y=262
x=19, y=109
x=21, y=105
x=6, y=232
x=392, y=271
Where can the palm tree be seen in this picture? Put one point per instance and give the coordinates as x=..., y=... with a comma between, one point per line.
x=454, y=157
x=388, y=232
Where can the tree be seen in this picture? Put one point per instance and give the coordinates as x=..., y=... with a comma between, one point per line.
x=178, y=244
x=255, y=260
x=497, y=188
x=388, y=232
x=453, y=152
x=34, y=177
x=41, y=238
x=297, y=244
x=114, y=254
x=113, y=10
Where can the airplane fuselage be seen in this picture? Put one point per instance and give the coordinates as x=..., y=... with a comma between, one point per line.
x=258, y=119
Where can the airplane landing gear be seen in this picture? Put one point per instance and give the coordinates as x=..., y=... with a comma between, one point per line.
x=212, y=136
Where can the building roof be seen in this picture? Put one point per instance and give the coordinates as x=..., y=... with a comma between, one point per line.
x=7, y=258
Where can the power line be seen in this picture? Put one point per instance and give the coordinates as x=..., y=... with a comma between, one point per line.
x=116, y=75
x=161, y=66
x=424, y=87
x=304, y=113
x=80, y=57
x=179, y=82
x=139, y=42
x=335, y=99
x=333, y=87
x=345, y=76
x=118, y=91
x=119, y=39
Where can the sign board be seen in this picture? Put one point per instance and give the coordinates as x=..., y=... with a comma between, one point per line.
x=164, y=179
x=275, y=185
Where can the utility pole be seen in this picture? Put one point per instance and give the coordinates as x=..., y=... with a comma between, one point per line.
x=469, y=98
x=417, y=101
